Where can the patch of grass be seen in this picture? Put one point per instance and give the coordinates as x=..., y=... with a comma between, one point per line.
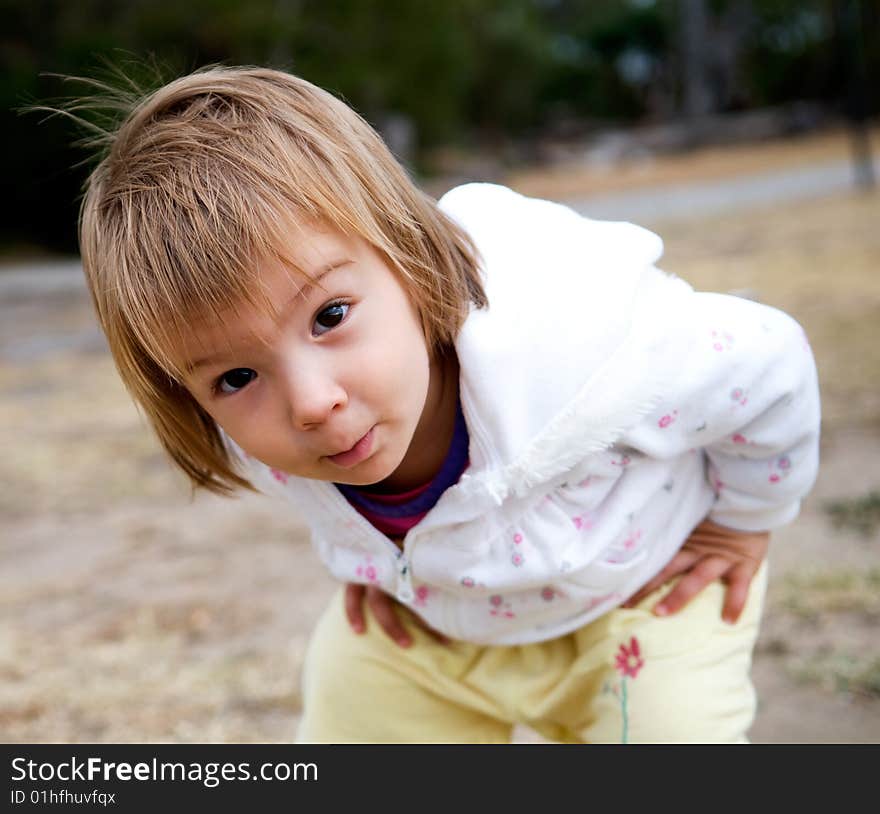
x=841, y=672
x=861, y=514
x=842, y=608
x=812, y=594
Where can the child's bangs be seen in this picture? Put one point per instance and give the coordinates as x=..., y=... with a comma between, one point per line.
x=204, y=276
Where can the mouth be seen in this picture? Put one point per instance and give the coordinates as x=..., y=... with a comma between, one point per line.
x=359, y=452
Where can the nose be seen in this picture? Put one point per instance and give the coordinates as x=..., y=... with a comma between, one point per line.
x=313, y=394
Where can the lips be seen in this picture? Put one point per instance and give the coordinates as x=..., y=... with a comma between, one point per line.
x=359, y=452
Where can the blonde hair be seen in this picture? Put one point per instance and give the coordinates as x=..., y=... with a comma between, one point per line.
x=200, y=182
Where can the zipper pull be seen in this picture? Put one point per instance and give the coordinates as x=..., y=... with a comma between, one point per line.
x=404, y=582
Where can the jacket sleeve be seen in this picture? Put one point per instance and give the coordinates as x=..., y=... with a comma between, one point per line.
x=763, y=456
x=747, y=397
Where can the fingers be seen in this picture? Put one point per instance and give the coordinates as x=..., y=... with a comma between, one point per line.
x=706, y=571
x=680, y=563
x=354, y=606
x=384, y=609
x=737, y=593
x=434, y=634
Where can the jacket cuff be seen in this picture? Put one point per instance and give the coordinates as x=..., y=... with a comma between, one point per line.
x=756, y=521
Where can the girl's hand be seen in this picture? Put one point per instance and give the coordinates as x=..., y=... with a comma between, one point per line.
x=711, y=552
x=385, y=609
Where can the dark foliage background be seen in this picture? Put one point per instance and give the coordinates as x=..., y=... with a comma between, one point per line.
x=462, y=74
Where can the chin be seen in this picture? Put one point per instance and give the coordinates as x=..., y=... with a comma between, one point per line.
x=379, y=470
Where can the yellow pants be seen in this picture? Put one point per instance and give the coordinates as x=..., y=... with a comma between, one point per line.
x=628, y=677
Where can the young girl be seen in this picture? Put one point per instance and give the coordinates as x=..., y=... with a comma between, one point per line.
x=540, y=464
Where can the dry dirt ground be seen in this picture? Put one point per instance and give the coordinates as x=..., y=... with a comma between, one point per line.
x=132, y=613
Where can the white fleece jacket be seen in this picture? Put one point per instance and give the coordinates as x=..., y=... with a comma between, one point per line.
x=610, y=409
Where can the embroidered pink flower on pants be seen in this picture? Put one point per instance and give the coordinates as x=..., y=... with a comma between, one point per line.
x=629, y=660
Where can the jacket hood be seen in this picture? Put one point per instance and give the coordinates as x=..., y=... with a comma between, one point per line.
x=577, y=343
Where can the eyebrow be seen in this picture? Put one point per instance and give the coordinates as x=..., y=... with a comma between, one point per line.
x=303, y=293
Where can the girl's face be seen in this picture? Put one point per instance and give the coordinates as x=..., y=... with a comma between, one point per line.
x=339, y=386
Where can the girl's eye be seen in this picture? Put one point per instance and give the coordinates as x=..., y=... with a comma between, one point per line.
x=330, y=317
x=234, y=380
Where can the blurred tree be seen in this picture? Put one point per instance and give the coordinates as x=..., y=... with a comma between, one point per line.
x=608, y=59
x=694, y=58
x=460, y=71
x=849, y=28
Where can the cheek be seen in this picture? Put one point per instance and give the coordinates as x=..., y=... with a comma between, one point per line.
x=407, y=359
x=245, y=421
